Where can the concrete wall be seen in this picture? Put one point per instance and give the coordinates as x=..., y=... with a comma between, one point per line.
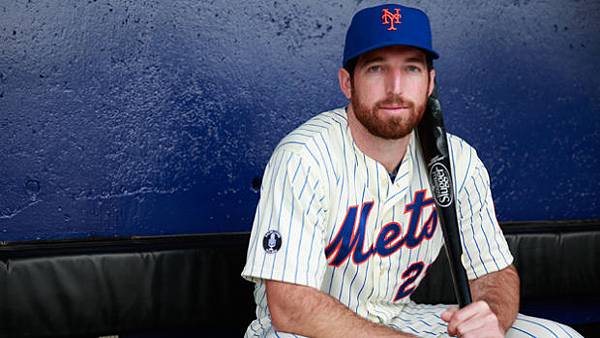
x=124, y=118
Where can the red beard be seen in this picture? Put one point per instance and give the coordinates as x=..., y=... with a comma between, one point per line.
x=388, y=127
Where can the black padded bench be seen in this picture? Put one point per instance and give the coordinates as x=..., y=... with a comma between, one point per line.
x=186, y=286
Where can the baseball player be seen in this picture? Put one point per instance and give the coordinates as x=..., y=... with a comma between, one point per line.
x=346, y=227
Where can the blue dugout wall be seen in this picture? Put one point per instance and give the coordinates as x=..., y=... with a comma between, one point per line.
x=142, y=118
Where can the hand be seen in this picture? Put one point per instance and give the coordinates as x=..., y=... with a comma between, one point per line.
x=474, y=320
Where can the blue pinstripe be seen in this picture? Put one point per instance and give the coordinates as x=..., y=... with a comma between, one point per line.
x=413, y=330
x=398, y=266
x=310, y=251
x=362, y=200
x=285, y=177
x=481, y=225
x=299, y=133
x=254, y=241
x=329, y=155
x=468, y=164
x=418, y=165
x=309, y=124
x=299, y=245
x=366, y=270
x=305, y=182
x=396, y=194
x=312, y=198
x=522, y=331
x=565, y=331
x=460, y=209
x=347, y=263
x=506, y=261
x=473, y=232
x=317, y=156
x=465, y=247
x=296, y=172
x=538, y=324
x=302, y=144
x=273, y=178
x=325, y=170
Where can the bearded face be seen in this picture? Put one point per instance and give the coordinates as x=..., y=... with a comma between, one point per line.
x=388, y=90
x=382, y=123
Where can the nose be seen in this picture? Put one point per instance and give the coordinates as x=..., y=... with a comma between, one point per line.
x=394, y=82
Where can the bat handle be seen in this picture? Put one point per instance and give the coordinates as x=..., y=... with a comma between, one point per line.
x=459, y=276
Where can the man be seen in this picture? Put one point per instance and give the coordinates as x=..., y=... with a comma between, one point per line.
x=346, y=226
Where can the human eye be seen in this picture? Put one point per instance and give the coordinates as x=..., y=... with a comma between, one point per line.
x=413, y=69
x=374, y=69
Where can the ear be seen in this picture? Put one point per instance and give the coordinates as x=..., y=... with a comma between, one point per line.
x=431, y=82
x=345, y=82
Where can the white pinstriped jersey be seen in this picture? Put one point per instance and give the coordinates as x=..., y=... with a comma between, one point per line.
x=338, y=223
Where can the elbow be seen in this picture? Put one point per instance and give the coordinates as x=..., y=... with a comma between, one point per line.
x=282, y=300
x=279, y=319
x=279, y=316
x=512, y=278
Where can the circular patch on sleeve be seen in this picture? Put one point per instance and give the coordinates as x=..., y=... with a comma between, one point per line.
x=272, y=241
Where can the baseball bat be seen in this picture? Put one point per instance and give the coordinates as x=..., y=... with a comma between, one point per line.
x=432, y=137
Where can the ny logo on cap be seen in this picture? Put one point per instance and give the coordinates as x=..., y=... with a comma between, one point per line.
x=390, y=19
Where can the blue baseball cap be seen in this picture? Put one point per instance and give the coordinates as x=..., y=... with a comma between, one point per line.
x=387, y=25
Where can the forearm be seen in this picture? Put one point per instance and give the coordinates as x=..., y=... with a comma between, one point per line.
x=309, y=312
x=500, y=290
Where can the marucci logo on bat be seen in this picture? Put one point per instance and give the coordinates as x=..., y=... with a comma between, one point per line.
x=441, y=184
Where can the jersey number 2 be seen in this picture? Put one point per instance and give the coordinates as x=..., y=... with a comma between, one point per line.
x=411, y=274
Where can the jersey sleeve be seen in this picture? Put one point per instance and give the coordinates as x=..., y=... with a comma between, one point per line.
x=484, y=246
x=286, y=242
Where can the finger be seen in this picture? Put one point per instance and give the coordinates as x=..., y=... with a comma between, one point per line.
x=470, y=326
x=452, y=332
x=489, y=328
x=465, y=314
x=447, y=316
x=471, y=310
x=448, y=313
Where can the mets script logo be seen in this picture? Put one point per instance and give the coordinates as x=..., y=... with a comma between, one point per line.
x=389, y=18
x=350, y=239
x=442, y=184
x=352, y=243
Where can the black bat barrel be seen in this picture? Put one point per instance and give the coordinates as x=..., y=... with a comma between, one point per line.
x=432, y=136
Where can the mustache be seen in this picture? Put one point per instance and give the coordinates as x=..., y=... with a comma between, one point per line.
x=395, y=100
